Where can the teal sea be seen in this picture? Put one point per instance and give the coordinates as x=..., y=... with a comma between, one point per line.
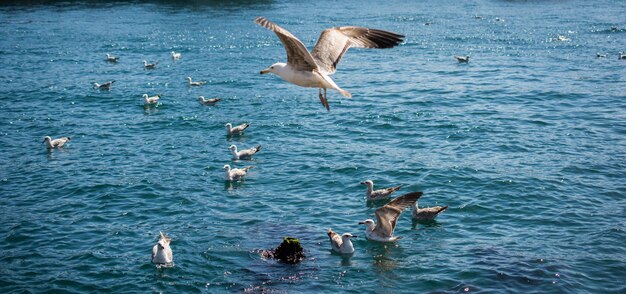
x=526, y=144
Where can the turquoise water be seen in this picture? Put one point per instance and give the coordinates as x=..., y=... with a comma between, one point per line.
x=526, y=144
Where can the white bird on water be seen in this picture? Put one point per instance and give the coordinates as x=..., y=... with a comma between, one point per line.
x=175, y=55
x=462, y=59
x=191, y=83
x=238, y=130
x=621, y=55
x=162, y=252
x=151, y=100
x=313, y=69
x=235, y=174
x=209, y=101
x=56, y=143
x=243, y=154
x=105, y=86
x=111, y=58
x=428, y=213
x=149, y=65
x=386, y=218
x=341, y=244
x=372, y=194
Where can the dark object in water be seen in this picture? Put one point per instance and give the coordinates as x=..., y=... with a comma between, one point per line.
x=289, y=251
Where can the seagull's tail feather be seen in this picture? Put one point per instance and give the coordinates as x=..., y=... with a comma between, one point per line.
x=247, y=168
x=393, y=189
x=345, y=93
x=442, y=209
x=258, y=148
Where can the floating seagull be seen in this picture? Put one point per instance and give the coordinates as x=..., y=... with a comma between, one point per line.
x=151, y=100
x=478, y=17
x=613, y=29
x=235, y=174
x=313, y=69
x=621, y=55
x=161, y=252
x=387, y=216
x=238, y=130
x=195, y=83
x=175, y=56
x=341, y=245
x=210, y=101
x=149, y=65
x=105, y=86
x=56, y=143
x=243, y=154
x=600, y=55
x=462, y=59
x=372, y=194
x=111, y=58
x=562, y=38
x=428, y=213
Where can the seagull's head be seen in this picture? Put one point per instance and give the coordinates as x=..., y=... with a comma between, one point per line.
x=369, y=223
x=233, y=148
x=274, y=68
x=368, y=183
x=229, y=126
x=46, y=138
x=347, y=236
x=189, y=79
x=227, y=167
x=145, y=96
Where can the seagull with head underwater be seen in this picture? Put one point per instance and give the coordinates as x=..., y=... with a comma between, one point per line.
x=341, y=244
x=313, y=69
x=386, y=218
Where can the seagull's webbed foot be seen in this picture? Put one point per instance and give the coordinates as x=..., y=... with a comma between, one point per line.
x=323, y=99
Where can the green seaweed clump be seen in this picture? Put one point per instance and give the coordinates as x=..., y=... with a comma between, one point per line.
x=289, y=251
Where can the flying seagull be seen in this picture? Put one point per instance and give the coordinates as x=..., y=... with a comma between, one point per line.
x=372, y=194
x=56, y=143
x=341, y=244
x=387, y=216
x=313, y=69
x=161, y=252
x=428, y=213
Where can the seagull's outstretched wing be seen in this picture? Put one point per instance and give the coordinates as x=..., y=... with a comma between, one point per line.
x=334, y=42
x=297, y=54
x=387, y=216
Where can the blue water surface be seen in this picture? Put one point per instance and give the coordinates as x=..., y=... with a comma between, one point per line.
x=526, y=144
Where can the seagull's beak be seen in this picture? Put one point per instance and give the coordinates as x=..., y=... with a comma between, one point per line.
x=362, y=183
x=267, y=70
x=353, y=236
x=361, y=223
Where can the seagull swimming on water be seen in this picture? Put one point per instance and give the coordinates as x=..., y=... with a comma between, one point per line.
x=56, y=143
x=105, y=86
x=111, y=58
x=387, y=216
x=341, y=244
x=195, y=83
x=428, y=213
x=238, y=130
x=151, y=100
x=210, y=101
x=149, y=65
x=243, y=154
x=621, y=55
x=372, y=194
x=313, y=69
x=162, y=252
x=462, y=59
x=175, y=55
x=235, y=174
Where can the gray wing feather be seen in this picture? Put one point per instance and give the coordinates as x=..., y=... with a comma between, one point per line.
x=297, y=54
x=387, y=216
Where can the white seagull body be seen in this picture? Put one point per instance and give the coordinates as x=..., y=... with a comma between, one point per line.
x=111, y=58
x=195, y=83
x=149, y=65
x=341, y=244
x=621, y=55
x=243, y=154
x=162, y=252
x=151, y=100
x=313, y=69
x=428, y=213
x=238, y=130
x=462, y=59
x=387, y=216
x=175, y=56
x=56, y=143
x=235, y=174
x=210, y=101
x=105, y=86
x=372, y=194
